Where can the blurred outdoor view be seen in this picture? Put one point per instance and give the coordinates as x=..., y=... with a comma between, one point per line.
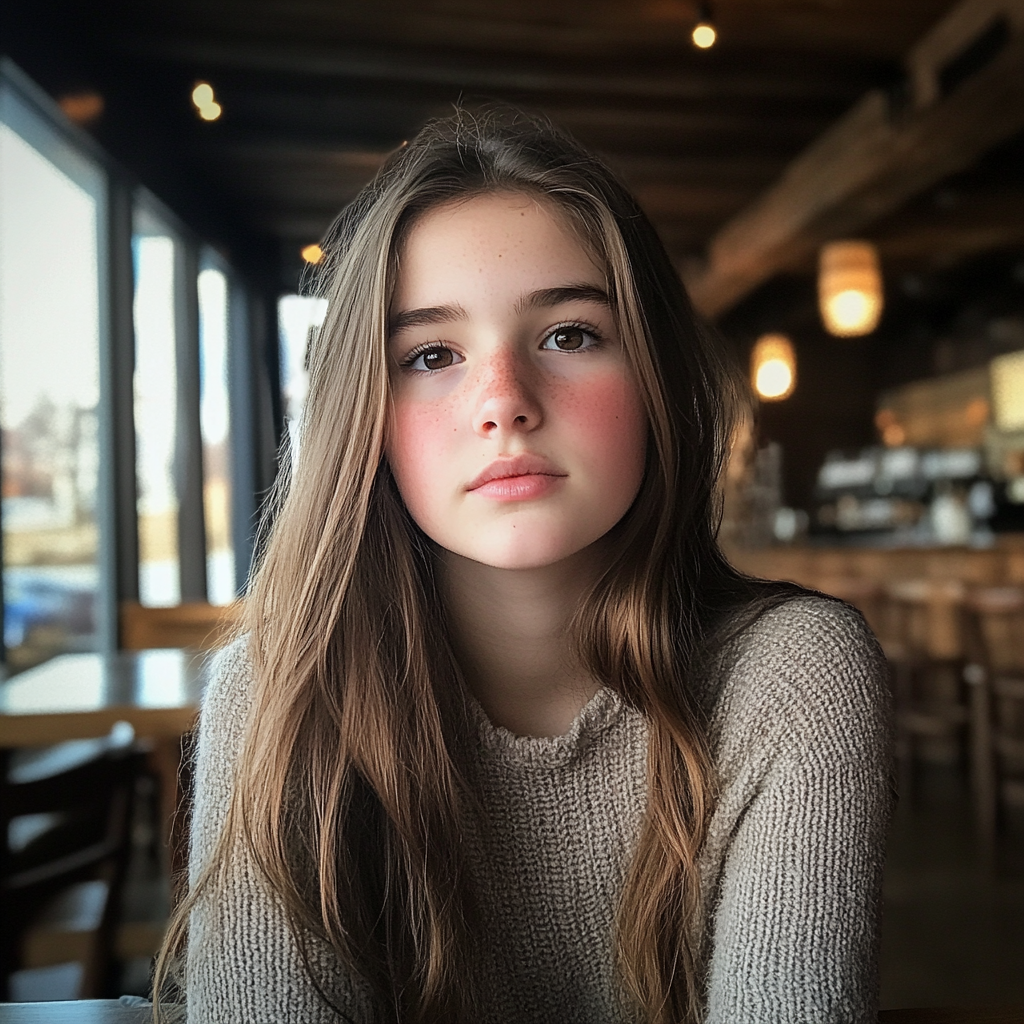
x=51, y=206
x=215, y=426
x=156, y=415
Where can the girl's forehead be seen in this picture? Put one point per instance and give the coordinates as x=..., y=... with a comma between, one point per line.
x=508, y=233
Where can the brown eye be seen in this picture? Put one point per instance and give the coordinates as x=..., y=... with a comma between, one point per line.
x=568, y=339
x=438, y=358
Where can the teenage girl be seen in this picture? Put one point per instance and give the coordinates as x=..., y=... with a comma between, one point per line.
x=506, y=738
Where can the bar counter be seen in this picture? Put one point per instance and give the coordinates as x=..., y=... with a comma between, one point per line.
x=814, y=565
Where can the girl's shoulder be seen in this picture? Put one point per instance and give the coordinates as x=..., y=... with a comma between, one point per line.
x=805, y=672
x=227, y=696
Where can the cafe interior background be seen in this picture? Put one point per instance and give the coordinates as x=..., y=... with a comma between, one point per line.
x=841, y=186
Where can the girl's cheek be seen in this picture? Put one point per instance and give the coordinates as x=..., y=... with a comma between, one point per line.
x=421, y=434
x=610, y=415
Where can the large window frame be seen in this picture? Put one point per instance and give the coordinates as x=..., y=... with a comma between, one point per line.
x=253, y=438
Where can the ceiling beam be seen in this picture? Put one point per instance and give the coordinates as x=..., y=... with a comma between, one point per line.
x=459, y=70
x=879, y=155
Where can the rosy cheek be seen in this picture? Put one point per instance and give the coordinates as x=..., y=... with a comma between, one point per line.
x=421, y=437
x=611, y=422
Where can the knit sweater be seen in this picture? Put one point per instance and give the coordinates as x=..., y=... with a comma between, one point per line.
x=790, y=873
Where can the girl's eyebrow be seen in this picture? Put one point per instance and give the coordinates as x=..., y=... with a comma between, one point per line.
x=547, y=297
x=543, y=298
x=425, y=317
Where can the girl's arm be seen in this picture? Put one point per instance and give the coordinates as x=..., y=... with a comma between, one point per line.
x=243, y=965
x=797, y=842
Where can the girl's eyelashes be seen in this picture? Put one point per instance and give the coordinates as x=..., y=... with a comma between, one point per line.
x=436, y=355
x=430, y=357
x=571, y=338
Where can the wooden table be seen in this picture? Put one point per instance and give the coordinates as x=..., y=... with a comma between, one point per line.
x=104, y=1011
x=81, y=1011
x=82, y=696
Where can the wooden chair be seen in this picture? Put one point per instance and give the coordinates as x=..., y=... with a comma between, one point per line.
x=62, y=880
x=200, y=626
x=922, y=636
x=194, y=624
x=996, y=672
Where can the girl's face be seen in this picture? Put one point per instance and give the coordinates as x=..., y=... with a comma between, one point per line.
x=518, y=433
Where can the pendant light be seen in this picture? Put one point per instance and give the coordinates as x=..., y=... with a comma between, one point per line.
x=704, y=34
x=773, y=367
x=850, y=292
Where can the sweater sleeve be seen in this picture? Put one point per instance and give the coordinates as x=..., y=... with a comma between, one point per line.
x=804, y=752
x=243, y=965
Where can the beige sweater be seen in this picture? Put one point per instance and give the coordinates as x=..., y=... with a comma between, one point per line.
x=791, y=871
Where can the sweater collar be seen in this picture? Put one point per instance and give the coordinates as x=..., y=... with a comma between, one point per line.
x=496, y=743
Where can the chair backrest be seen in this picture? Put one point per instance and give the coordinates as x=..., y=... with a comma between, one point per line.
x=926, y=616
x=193, y=624
x=999, y=618
x=79, y=820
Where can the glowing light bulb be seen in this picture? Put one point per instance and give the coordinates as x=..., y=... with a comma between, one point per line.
x=773, y=367
x=206, y=106
x=312, y=254
x=202, y=94
x=773, y=379
x=704, y=35
x=82, y=107
x=850, y=292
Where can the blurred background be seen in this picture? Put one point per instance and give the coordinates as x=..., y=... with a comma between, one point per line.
x=840, y=184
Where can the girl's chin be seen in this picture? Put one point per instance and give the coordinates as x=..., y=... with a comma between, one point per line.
x=520, y=553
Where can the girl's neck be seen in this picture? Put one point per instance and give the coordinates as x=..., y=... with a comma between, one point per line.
x=509, y=629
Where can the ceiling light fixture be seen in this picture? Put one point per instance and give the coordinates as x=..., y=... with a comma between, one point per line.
x=704, y=33
x=312, y=254
x=850, y=293
x=773, y=367
x=205, y=103
x=81, y=107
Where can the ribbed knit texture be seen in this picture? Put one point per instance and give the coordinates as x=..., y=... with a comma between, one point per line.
x=791, y=871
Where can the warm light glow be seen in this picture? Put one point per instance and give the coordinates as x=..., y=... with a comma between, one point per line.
x=1007, y=376
x=81, y=107
x=774, y=378
x=773, y=367
x=202, y=96
x=893, y=436
x=849, y=288
x=312, y=254
x=704, y=35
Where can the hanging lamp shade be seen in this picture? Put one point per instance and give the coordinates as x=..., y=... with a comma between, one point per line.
x=850, y=292
x=773, y=367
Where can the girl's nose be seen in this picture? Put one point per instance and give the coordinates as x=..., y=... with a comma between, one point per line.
x=506, y=399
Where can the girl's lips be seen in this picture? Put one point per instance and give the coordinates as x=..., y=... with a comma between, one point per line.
x=515, y=466
x=519, y=488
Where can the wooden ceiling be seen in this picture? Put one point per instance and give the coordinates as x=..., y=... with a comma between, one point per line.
x=315, y=92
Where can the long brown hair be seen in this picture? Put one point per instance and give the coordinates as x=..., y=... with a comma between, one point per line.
x=351, y=789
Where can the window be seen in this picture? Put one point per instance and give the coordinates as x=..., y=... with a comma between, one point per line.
x=52, y=246
x=156, y=407
x=299, y=318
x=113, y=317
x=215, y=425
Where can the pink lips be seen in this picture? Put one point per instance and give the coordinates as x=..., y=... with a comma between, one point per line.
x=519, y=478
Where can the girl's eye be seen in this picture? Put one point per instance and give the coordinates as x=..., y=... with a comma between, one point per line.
x=436, y=357
x=569, y=339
